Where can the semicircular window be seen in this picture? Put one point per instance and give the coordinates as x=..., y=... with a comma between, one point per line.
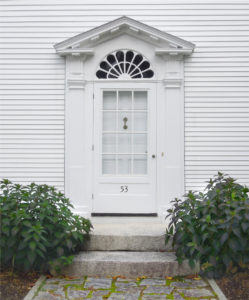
x=124, y=64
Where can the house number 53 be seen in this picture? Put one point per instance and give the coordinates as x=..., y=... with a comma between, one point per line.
x=123, y=188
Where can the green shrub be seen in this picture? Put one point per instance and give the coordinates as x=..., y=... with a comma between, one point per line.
x=37, y=226
x=212, y=228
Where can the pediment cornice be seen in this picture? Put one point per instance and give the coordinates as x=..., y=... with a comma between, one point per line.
x=84, y=43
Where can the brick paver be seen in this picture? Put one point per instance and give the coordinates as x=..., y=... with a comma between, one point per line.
x=177, y=288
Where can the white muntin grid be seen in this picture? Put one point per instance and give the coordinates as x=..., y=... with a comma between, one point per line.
x=124, y=64
x=124, y=132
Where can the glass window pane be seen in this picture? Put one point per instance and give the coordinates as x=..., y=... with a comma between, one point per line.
x=109, y=100
x=124, y=143
x=109, y=143
x=108, y=164
x=124, y=121
x=140, y=164
x=140, y=121
x=140, y=100
x=109, y=121
x=140, y=143
x=124, y=164
x=124, y=100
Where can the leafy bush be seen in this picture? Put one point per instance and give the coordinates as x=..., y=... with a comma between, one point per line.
x=212, y=228
x=37, y=226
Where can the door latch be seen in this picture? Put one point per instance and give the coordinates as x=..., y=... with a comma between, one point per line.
x=125, y=121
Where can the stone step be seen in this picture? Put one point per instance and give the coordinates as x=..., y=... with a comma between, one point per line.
x=128, y=237
x=129, y=264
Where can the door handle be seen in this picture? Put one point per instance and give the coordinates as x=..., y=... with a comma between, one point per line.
x=153, y=156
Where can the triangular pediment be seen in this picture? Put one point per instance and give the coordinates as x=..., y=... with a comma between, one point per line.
x=85, y=42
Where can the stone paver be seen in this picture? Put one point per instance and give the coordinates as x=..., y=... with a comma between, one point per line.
x=125, y=296
x=181, y=284
x=196, y=292
x=178, y=288
x=47, y=296
x=152, y=297
x=98, y=283
x=74, y=294
x=177, y=296
x=123, y=286
x=197, y=283
x=153, y=289
x=153, y=282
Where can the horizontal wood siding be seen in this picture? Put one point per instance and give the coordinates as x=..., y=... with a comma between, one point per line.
x=32, y=82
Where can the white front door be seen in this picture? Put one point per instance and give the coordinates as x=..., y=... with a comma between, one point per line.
x=124, y=158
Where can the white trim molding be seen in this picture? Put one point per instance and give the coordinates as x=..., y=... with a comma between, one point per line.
x=165, y=43
x=76, y=83
x=76, y=52
x=173, y=83
x=174, y=51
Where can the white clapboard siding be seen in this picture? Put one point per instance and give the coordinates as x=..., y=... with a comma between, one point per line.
x=32, y=81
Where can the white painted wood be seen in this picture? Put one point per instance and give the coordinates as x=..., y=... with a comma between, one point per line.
x=125, y=193
x=32, y=88
x=79, y=103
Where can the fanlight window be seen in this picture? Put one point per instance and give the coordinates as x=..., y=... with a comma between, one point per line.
x=124, y=64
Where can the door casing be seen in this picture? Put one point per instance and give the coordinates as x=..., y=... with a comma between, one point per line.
x=80, y=80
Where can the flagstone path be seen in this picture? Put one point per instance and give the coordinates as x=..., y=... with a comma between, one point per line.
x=117, y=288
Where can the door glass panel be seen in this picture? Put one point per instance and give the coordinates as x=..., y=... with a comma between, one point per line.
x=124, y=133
x=140, y=100
x=140, y=143
x=124, y=143
x=140, y=121
x=140, y=164
x=109, y=100
x=109, y=143
x=124, y=164
x=125, y=100
x=109, y=164
x=109, y=121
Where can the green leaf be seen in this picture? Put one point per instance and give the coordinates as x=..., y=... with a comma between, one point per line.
x=69, y=244
x=40, y=253
x=32, y=245
x=236, y=231
x=27, y=223
x=226, y=259
x=31, y=257
x=245, y=226
x=233, y=244
x=191, y=263
x=224, y=238
x=14, y=231
x=208, y=218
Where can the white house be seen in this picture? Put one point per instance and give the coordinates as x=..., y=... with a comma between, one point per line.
x=124, y=105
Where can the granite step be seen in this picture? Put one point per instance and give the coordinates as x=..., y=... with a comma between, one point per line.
x=128, y=237
x=129, y=264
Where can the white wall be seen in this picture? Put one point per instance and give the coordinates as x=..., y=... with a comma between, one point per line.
x=32, y=81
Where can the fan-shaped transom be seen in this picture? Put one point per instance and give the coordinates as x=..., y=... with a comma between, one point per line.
x=124, y=64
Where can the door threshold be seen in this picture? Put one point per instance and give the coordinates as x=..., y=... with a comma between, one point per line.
x=122, y=215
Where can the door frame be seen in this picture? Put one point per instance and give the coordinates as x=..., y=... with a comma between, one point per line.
x=78, y=137
x=151, y=87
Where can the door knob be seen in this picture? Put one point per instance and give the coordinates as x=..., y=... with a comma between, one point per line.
x=153, y=156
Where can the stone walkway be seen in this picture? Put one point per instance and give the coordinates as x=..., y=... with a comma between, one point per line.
x=117, y=288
